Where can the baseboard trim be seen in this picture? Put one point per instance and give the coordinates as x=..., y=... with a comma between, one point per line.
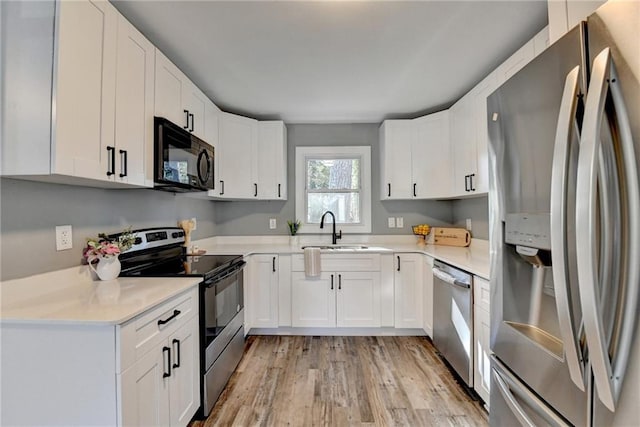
x=339, y=331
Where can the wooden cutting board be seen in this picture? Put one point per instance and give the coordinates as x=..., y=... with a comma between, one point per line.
x=450, y=236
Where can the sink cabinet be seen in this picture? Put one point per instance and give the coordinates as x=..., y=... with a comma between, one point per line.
x=347, y=293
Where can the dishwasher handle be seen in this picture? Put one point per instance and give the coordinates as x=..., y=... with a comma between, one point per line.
x=447, y=278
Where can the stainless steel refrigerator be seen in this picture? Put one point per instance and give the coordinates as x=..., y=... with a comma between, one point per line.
x=565, y=230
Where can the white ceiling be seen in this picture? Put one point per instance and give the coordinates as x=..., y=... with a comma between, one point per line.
x=336, y=61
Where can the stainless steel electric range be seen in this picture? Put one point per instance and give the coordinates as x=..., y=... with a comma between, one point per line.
x=159, y=252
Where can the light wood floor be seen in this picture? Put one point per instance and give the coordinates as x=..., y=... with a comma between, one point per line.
x=343, y=381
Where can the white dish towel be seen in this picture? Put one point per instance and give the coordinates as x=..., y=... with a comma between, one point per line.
x=312, y=267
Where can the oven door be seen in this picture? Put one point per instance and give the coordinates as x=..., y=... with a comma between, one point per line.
x=221, y=312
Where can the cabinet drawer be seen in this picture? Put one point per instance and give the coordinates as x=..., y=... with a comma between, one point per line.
x=153, y=326
x=341, y=262
x=482, y=294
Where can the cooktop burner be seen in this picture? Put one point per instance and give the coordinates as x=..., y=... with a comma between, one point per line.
x=185, y=265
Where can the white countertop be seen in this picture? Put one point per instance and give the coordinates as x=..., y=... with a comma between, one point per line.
x=474, y=259
x=71, y=296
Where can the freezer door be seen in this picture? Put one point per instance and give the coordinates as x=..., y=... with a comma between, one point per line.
x=530, y=303
x=513, y=404
x=608, y=229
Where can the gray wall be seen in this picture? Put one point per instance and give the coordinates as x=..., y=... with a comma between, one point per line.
x=29, y=212
x=477, y=209
x=252, y=218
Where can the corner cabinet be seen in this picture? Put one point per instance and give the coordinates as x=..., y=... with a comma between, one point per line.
x=271, y=153
x=419, y=143
x=346, y=294
x=409, y=288
x=482, y=338
x=86, y=120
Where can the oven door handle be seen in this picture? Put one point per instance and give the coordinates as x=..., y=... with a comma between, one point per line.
x=215, y=280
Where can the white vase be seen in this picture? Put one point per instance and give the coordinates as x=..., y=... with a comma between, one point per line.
x=294, y=241
x=108, y=268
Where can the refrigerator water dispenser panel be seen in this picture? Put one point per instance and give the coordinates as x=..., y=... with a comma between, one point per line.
x=531, y=230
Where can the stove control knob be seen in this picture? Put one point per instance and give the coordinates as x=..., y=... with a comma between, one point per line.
x=137, y=241
x=175, y=234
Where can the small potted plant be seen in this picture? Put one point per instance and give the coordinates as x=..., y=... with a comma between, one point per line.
x=294, y=226
x=102, y=253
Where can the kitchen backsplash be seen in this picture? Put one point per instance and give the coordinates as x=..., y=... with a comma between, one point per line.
x=478, y=210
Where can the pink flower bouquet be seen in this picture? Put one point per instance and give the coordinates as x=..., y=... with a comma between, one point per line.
x=106, y=247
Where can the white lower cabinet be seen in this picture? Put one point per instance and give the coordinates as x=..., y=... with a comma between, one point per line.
x=408, y=287
x=343, y=299
x=346, y=294
x=261, y=288
x=427, y=320
x=482, y=338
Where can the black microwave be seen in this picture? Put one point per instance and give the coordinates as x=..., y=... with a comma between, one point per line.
x=183, y=162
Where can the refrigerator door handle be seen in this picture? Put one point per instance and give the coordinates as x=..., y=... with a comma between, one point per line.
x=559, y=199
x=608, y=372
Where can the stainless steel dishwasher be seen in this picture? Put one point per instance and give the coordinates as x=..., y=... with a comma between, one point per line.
x=453, y=318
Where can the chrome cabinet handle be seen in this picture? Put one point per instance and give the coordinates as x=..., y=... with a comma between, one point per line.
x=559, y=200
x=608, y=372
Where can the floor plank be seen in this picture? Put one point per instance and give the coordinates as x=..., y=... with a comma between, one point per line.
x=343, y=381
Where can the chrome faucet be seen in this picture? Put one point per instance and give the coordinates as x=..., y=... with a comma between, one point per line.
x=334, y=236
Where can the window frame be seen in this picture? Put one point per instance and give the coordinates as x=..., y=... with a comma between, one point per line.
x=363, y=153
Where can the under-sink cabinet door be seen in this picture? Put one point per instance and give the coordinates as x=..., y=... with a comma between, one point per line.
x=358, y=299
x=313, y=301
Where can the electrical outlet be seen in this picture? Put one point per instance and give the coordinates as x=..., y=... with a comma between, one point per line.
x=195, y=224
x=469, y=224
x=272, y=223
x=400, y=222
x=64, y=238
x=392, y=222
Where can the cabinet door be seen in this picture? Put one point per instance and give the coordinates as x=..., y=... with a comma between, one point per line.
x=170, y=86
x=134, y=106
x=184, y=392
x=262, y=287
x=482, y=337
x=85, y=89
x=358, y=299
x=463, y=144
x=211, y=136
x=195, y=102
x=272, y=160
x=431, y=157
x=237, y=163
x=428, y=296
x=515, y=63
x=396, y=139
x=408, y=285
x=144, y=392
x=479, y=181
x=313, y=300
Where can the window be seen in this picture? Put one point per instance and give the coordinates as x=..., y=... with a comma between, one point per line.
x=336, y=179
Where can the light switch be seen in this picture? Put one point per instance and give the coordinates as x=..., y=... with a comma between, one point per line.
x=272, y=223
x=400, y=222
x=392, y=222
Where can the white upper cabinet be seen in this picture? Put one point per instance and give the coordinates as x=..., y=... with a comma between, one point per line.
x=396, y=139
x=271, y=155
x=134, y=105
x=430, y=157
x=178, y=99
x=237, y=157
x=411, y=160
x=463, y=145
x=212, y=137
x=566, y=14
x=84, y=116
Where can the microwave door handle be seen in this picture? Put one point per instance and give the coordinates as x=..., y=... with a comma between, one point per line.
x=559, y=200
x=608, y=373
